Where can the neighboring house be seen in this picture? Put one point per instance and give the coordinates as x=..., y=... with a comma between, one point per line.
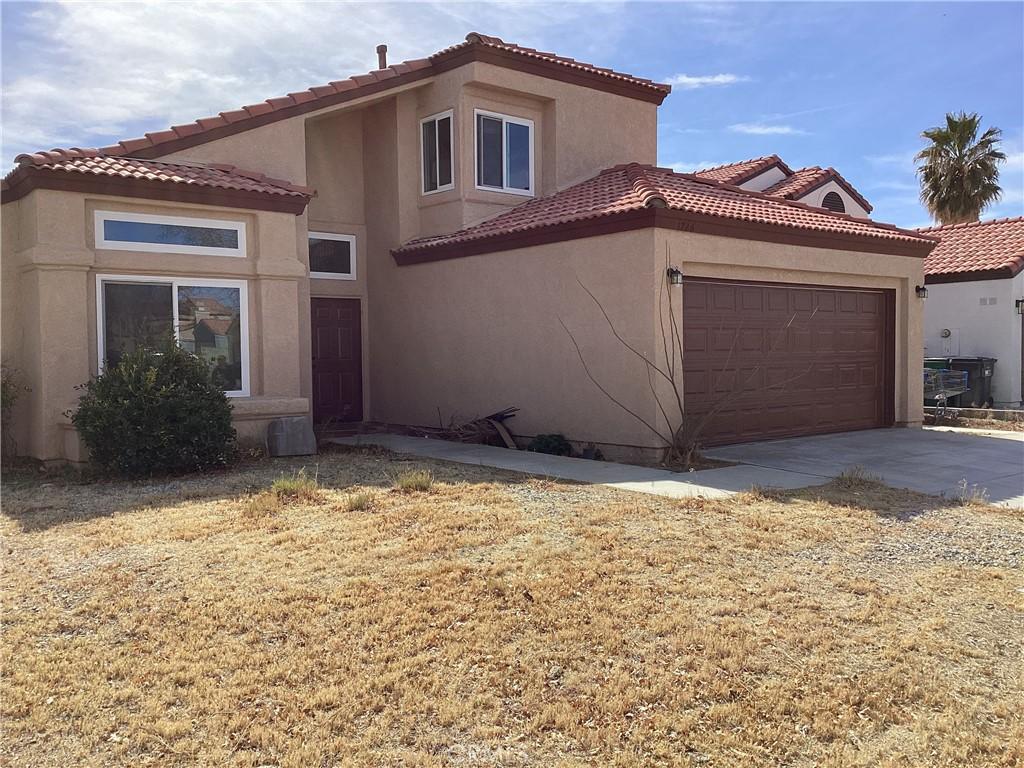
x=975, y=306
x=462, y=202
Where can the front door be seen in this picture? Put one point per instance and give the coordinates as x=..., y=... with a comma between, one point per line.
x=337, y=360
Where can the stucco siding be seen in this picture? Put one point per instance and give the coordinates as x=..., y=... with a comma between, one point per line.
x=55, y=311
x=467, y=337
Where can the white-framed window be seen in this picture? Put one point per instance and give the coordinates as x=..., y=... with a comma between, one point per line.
x=209, y=318
x=332, y=256
x=504, y=153
x=123, y=231
x=437, y=153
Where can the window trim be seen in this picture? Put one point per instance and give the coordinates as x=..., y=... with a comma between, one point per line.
x=99, y=235
x=175, y=282
x=477, y=113
x=350, y=239
x=450, y=114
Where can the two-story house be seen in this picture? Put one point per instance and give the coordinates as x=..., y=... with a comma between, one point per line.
x=442, y=238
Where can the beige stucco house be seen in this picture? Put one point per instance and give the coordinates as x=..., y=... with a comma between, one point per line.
x=437, y=239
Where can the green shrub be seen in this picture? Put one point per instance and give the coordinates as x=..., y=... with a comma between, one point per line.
x=556, y=445
x=157, y=411
x=414, y=480
x=298, y=487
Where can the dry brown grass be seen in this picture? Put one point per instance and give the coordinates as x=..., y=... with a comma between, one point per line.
x=498, y=620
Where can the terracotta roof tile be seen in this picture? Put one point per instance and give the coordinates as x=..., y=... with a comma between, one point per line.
x=157, y=143
x=475, y=38
x=634, y=187
x=737, y=173
x=88, y=162
x=977, y=247
x=804, y=180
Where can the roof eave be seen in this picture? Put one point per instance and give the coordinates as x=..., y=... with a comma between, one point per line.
x=1004, y=272
x=654, y=93
x=662, y=218
x=26, y=179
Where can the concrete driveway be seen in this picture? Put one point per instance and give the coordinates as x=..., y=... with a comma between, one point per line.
x=926, y=460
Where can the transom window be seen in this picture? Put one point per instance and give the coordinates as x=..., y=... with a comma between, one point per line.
x=332, y=256
x=436, y=149
x=169, y=234
x=208, y=318
x=504, y=153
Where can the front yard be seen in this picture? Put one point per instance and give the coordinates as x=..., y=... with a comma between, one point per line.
x=500, y=620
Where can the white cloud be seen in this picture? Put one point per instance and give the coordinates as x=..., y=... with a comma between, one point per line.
x=692, y=82
x=765, y=129
x=77, y=74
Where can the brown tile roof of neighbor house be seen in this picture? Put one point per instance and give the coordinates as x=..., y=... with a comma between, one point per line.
x=805, y=180
x=737, y=173
x=978, y=250
x=211, y=183
x=476, y=47
x=635, y=196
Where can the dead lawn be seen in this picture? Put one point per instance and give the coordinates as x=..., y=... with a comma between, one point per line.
x=499, y=620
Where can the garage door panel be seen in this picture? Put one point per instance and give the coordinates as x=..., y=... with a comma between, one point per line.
x=787, y=359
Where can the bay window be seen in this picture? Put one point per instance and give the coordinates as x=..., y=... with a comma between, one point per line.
x=436, y=145
x=504, y=153
x=208, y=318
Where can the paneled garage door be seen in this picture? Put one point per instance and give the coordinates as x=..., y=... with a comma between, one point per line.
x=772, y=360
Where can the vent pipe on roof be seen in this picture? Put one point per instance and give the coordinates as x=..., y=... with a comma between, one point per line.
x=382, y=56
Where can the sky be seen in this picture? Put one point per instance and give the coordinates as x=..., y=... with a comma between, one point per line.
x=847, y=85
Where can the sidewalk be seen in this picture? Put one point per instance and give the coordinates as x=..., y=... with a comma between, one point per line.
x=710, y=483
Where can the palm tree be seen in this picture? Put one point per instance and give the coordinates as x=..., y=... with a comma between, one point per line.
x=959, y=172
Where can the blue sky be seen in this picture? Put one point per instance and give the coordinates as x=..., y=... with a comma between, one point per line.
x=846, y=85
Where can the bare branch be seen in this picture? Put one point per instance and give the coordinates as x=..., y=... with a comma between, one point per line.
x=608, y=394
x=618, y=337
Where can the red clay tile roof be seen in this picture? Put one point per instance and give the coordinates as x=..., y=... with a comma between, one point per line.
x=737, y=173
x=805, y=180
x=475, y=38
x=87, y=168
x=976, y=250
x=708, y=206
x=476, y=47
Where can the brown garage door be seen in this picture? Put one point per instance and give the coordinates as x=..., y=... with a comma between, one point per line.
x=778, y=360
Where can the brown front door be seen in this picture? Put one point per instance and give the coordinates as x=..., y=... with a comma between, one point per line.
x=337, y=360
x=773, y=360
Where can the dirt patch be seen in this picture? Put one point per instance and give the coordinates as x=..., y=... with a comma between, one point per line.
x=496, y=619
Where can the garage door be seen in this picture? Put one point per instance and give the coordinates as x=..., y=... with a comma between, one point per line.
x=771, y=360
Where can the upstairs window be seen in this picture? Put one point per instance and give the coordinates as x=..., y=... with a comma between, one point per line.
x=436, y=151
x=504, y=153
x=332, y=256
x=833, y=202
x=169, y=234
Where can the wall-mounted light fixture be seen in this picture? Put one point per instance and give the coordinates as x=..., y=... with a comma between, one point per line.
x=675, y=276
x=921, y=291
x=1019, y=304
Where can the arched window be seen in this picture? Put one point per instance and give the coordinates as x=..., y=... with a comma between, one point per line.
x=833, y=202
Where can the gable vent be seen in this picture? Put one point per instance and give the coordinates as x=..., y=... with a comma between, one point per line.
x=833, y=202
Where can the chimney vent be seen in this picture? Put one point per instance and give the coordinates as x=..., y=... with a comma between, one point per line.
x=382, y=56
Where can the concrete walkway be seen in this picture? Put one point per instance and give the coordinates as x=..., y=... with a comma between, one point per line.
x=930, y=460
x=710, y=483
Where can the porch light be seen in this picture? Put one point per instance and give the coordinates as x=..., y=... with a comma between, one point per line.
x=1019, y=304
x=675, y=276
x=921, y=291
